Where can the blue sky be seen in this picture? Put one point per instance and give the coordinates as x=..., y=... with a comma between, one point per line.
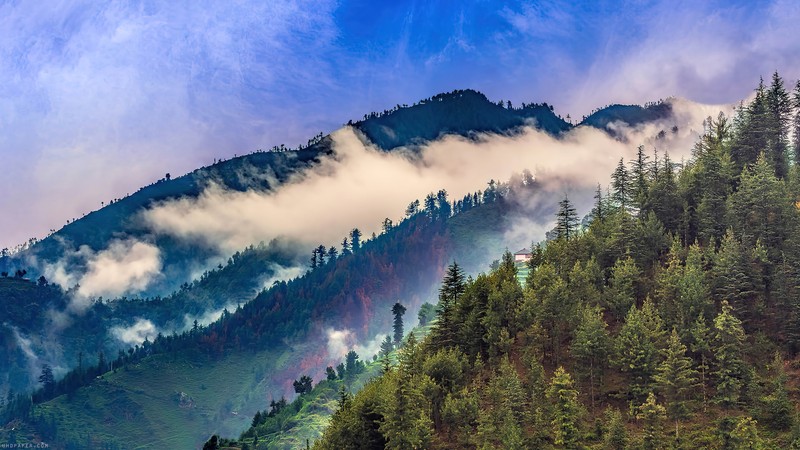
x=98, y=98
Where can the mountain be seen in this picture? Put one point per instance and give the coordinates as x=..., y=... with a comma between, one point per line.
x=463, y=112
x=630, y=115
x=120, y=218
x=260, y=332
x=284, y=328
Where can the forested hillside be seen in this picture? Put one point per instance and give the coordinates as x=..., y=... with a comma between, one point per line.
x=672, y=321
x=36, y=332
x=78, y=318
x=177, y=386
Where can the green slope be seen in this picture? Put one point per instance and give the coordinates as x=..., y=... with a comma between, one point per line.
x=355, y=292
x=140, y=406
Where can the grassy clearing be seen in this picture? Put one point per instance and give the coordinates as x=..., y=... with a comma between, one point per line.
x=166, y=402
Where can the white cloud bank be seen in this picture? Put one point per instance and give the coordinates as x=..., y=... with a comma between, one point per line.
x=125, y=266
x=360, y=185
x=135, y=334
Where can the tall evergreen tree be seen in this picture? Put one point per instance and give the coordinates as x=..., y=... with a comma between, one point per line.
x=727, y=343
x=599, y=211
x=761, y=208
x=590, y=347
x=621, y=186
x=450, y=292
x=652, y=415
x=500, y=425
x=622, y=290
x=752, y=134
x=700, y=337
x=314, y=259
x=745, y=435
x=713, y=175
x=663, y=197
x=355, y=239
x=676, y=378
x=566, y=219
x=566, y=410
x=637, y=349
x=779, y=110
x=732, y=277
x=640, y=182
x=796, y=122
x=47, y=379
x=398, y=310
x=615, y=436
x=778, y=409
x=406, y=423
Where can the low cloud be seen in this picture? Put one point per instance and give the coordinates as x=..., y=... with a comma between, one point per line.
x=340, y=342
x=206, y=317
x=124, y=267
x=137, y=333
x=360, y=185
x=282, y=273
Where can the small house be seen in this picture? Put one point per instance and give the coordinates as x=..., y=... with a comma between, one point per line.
x=523, y=255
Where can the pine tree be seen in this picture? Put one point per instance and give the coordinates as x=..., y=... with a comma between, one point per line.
x=752, y=130
x=621, y=186
x=745, y=435
x=355, y=239
x=796, y=122
x=566, y=219
x=398, y=310
x=333, y=253
x=779, y=110
x=599, y=211
x=714, y=174
x=386, y=349
x=652, y=415
x=761, y=209
x=450, y=292
x=566, y=410
x=590, y=345
x=640, y=180
x=321, y=254
x=407, y=424
x=701, y=348
x=47, y=379
x=615, y=436
x=663, y=197
x=314, y=259
x=727, y=344
x=682, y=292
x=778, y=409
x=637, y=349
x=330, y=373
x=676, y=378
x=732, y=278
x=506, y=408
x=621, y=294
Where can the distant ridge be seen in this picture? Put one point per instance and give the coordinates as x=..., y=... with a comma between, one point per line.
x=629, y=114
x=462, y=112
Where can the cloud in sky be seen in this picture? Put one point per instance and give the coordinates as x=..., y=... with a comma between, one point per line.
x=100, y=98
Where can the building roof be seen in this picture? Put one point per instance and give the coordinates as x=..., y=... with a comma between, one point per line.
x=524, y=251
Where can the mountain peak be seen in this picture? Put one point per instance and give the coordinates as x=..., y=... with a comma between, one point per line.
x=464, y=112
